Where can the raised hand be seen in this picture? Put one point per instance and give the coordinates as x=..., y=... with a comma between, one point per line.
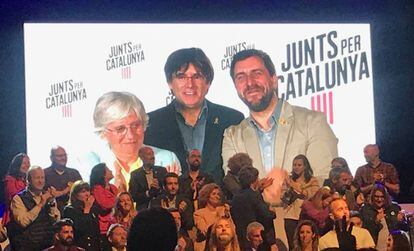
x=345, y=238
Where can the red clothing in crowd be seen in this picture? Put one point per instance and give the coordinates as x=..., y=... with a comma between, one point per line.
x=12, y=186
x=106, y=199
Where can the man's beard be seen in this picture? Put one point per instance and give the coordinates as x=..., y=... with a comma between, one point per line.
x=224, y=239
x=195, y=167
x=67, y=242
x=262, y=104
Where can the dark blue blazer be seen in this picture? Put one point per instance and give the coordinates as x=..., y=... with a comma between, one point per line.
x=163, y=132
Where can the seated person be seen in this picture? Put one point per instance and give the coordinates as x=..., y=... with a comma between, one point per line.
x=184, y=243
x=64, y=236
x=345, y=236
x=336, y=162
x=223, y=236
x=124, y=211
x=153, y=229
x=117, y=237
x=346, y=189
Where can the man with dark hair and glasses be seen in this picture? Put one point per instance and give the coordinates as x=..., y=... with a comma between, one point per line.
x=64, y=236
x=191, y=121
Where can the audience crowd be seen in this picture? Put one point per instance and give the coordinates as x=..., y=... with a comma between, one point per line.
x=201, y=214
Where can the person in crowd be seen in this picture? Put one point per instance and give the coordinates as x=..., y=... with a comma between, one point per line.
x=193, y=121
x=120, y=122
x=117, y=237
x=306, y=237
x=170, y=199
x=380, y=215
x=345, y=236
x=223, y=236
x=336, y=163
x=153, y=229
x=105, y=196
x=273, y=133
x=248, y=206
x=356, y=218
x=146, y=182
x=256, y=241
x=347, y=189
x=83, y=211
x=64, y=237
x=398, y=241
x=301, y=185
x=376, y=171
x=231, y=184
x=184, y=243
x=124, y=211
x=316, y=209
x=192, y=181
x=34, y=211
x=59, y=176
x=211, y=208
x=14, y=181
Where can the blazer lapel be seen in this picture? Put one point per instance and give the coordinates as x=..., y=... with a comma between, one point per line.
x=285, y=125
x=212, y=132
x=252, y=147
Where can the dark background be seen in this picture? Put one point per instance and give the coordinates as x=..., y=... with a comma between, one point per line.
x=391, y=38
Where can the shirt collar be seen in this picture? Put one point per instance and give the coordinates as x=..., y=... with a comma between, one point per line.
x=274, y=118
x=178, y=108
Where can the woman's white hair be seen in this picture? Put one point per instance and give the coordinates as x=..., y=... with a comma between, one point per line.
x=113, y=106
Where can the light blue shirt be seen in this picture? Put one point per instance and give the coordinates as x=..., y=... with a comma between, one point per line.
x=193, y=136
x=266, y=139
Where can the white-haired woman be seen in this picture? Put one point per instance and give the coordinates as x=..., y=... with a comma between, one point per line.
x=120, y=121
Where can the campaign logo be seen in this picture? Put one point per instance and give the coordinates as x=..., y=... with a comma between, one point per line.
x=316, y=66
x=122, y=56
x=230, y=51
x=63, y=94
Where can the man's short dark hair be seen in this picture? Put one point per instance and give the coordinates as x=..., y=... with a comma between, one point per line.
x=242, y=55
x=152, y=229
x=181, y=59
x=247, y=176
x=58, y=225
x=170, y=175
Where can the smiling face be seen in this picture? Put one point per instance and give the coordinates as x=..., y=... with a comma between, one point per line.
x=255, y=86
x=379, y=199
x=189, y=87
x=298, y=167
x=125, y=136
x=37, y=179
x=125, y=203
x=108, y=175
x=24, y=167
x=214, y=199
